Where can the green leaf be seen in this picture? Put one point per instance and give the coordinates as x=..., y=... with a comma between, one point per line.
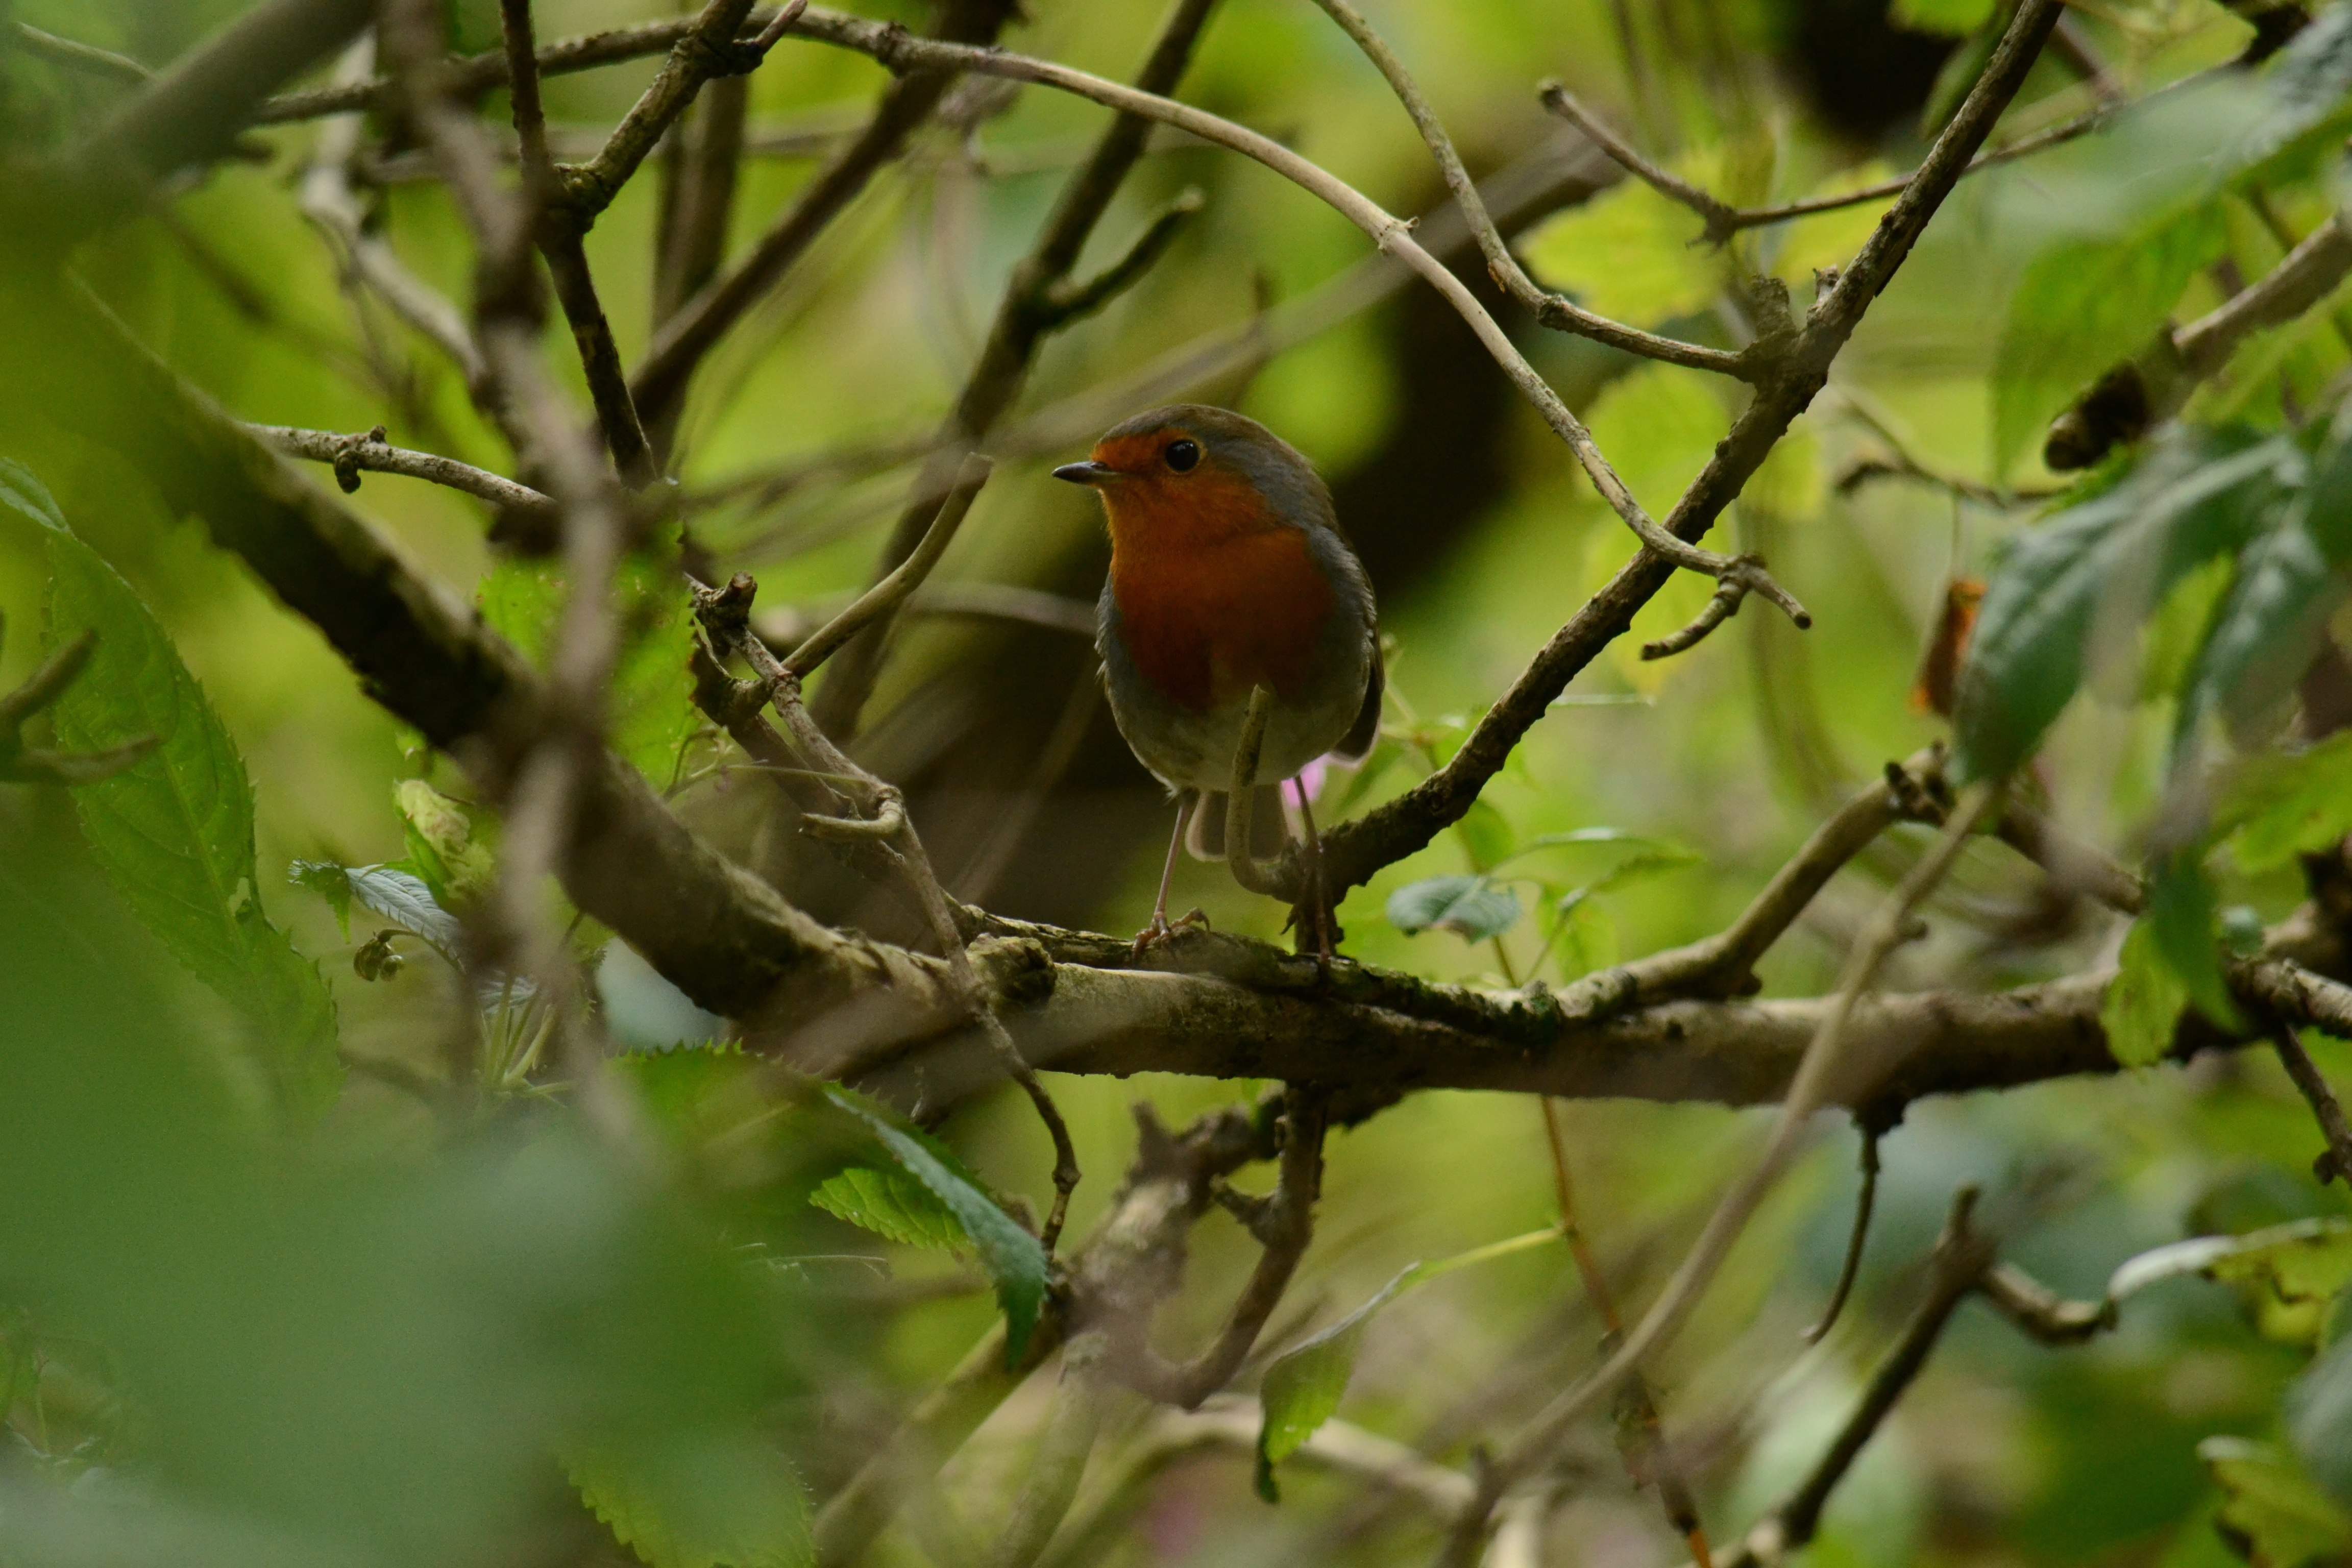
x=2084, y=304
x=2319, y=1419
x=2279, y=806
x=1303, y=1386
x=398, y=896
x=650, y=706
x=2270, y=1511
x=2289, y=582
x=1471, y=907
x=2183, y=920
x=2303, y=96
x=893, y=1205
x=2144, y=1002
x=1630, y=253
x=174, y=831
x=716, y=1501
x=2194, y=496
x=1945, y=18
x=1014, y=1261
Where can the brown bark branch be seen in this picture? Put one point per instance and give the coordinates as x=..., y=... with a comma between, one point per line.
x=1026, y=315
x=1353, y=851
x=348, y=454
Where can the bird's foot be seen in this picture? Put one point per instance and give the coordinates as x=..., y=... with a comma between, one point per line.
x=1161, y=929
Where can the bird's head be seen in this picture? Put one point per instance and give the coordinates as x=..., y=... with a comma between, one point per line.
x=1190, y=472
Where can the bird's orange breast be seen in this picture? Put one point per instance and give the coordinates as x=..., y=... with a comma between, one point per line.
x=1213, y=595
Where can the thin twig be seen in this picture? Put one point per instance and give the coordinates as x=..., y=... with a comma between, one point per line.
x=1959, y=1262
x=558, y=220
x=1723, y=220
x=350, y=455
x=1027, y=312
x=2337, y=1160
x=885, y=597
x=681, y=342
x=1354, y=851
x=725, y=614
x=1851, y=1268
x=1287, y=1225
x=1822, y=1067
x=81, y=55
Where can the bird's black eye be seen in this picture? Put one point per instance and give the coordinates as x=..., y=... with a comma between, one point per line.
x=1182, y=455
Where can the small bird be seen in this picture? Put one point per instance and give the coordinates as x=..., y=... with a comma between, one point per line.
x=1228, y=571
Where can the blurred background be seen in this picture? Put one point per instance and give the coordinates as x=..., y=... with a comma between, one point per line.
x=238, y=1322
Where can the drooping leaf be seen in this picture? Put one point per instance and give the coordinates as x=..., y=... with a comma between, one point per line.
x=398, y=896
x=2144, y=1002
x=2271, y=1512
x=2319, y=1419
x=2288, y=583
x=1014, y=1261
x=2279, y=806
x=453, y=867
x=2183, y=918
x=174, y=831
x=1471, y=907
x=718, y=1501
x=2304, y=102
x=893, y=1205
x=2084, y=305
x=1303, y=1386
x=2112, y=557
x=2301, y=1260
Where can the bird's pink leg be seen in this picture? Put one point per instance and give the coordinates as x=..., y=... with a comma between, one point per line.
x=1159, y=930
x=1316, y=896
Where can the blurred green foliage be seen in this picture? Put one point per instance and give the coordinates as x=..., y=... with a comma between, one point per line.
x=416, y=1321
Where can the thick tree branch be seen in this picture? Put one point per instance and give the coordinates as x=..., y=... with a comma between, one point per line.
x=194, y=111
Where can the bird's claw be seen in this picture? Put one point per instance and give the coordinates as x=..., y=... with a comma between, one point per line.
x=1161, y=929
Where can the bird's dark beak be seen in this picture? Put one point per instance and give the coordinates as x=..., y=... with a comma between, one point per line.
x=1086, y=473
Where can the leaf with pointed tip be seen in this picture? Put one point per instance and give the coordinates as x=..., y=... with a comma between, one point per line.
x=1015, y=1260
x=175, y=830
x=2280, y=806
x=892, y=1204
x=2144, y=1001
x=398, y=896
x=1471, y=907
x=2194, y=496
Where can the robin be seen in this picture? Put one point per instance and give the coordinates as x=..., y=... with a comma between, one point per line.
x=1228, y=572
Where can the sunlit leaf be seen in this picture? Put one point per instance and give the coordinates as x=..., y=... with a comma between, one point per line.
x=175, y=830
x=1471, y=907
x=2144, y=1002
x=2302, y=1260
x=1014, y=1261
x=1628, y=254
x=2279, y=806
x=892, y=1204
x=2114, y=556
x=2271, y=1512
x=717, y=1502
x=650, y=704
x=454, y=868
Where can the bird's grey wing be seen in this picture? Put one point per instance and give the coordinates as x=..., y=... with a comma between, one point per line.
x=1365, y=732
